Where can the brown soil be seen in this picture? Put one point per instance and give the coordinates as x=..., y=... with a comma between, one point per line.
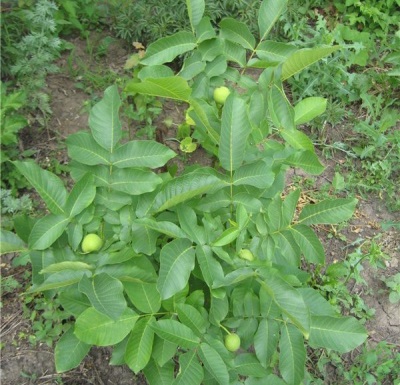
x=24, y=364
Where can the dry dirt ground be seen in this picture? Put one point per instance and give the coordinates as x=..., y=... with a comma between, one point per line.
x=25, y=364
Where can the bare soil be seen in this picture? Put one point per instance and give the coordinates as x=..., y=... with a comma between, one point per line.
x=24, y=364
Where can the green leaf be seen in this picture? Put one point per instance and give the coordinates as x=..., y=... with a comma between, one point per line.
x=303, y=58
x=228, y=236
x=104, y=121
x=288, y=299
x=292, y=355
x=144, y=296
x=281, y=111
x=247, y=364
x=237, y=54
x=192, y=318
x=184, y=187
x=95, y=328
x=10, y=243
x=309, y=108
x=237, y=32
x=144, y=239
x=195, y=10
x=66, y=265
x=317, y=304
x=188, y=223
x=166, y=49
x=269, y=12
x=273, y=51
x=297, y=139
x=171, y=87
x=140, y=344
x=176, y=263
x=216, y=67
x=59, y=280
x=266, y=340
x=74, y=301
x=163, y=350
x=190, y=370
x=218, y=310
x=206, y=118
x=156, y=71
x=134, y=181
x=209, y=265
x=46, y=231
x=192, y=66
x=177, y=333
x=142, y=153
x=258, y=174
x=341, y=334
x=69, y=352
x=159, y=375
x=309, y=243
x=235, y=129
x=81, y=196
x=163, y=227
x=84, y=149
x=204, y=30
x=234, y=277
x=307, y=160
x=214, y=364
x=329, y=211
x=49, y=186
x=105, y=293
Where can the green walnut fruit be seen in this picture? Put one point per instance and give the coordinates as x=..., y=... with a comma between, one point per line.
x=246, y=254
x=220, y=94
x=232, y=342
x=91, y=242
